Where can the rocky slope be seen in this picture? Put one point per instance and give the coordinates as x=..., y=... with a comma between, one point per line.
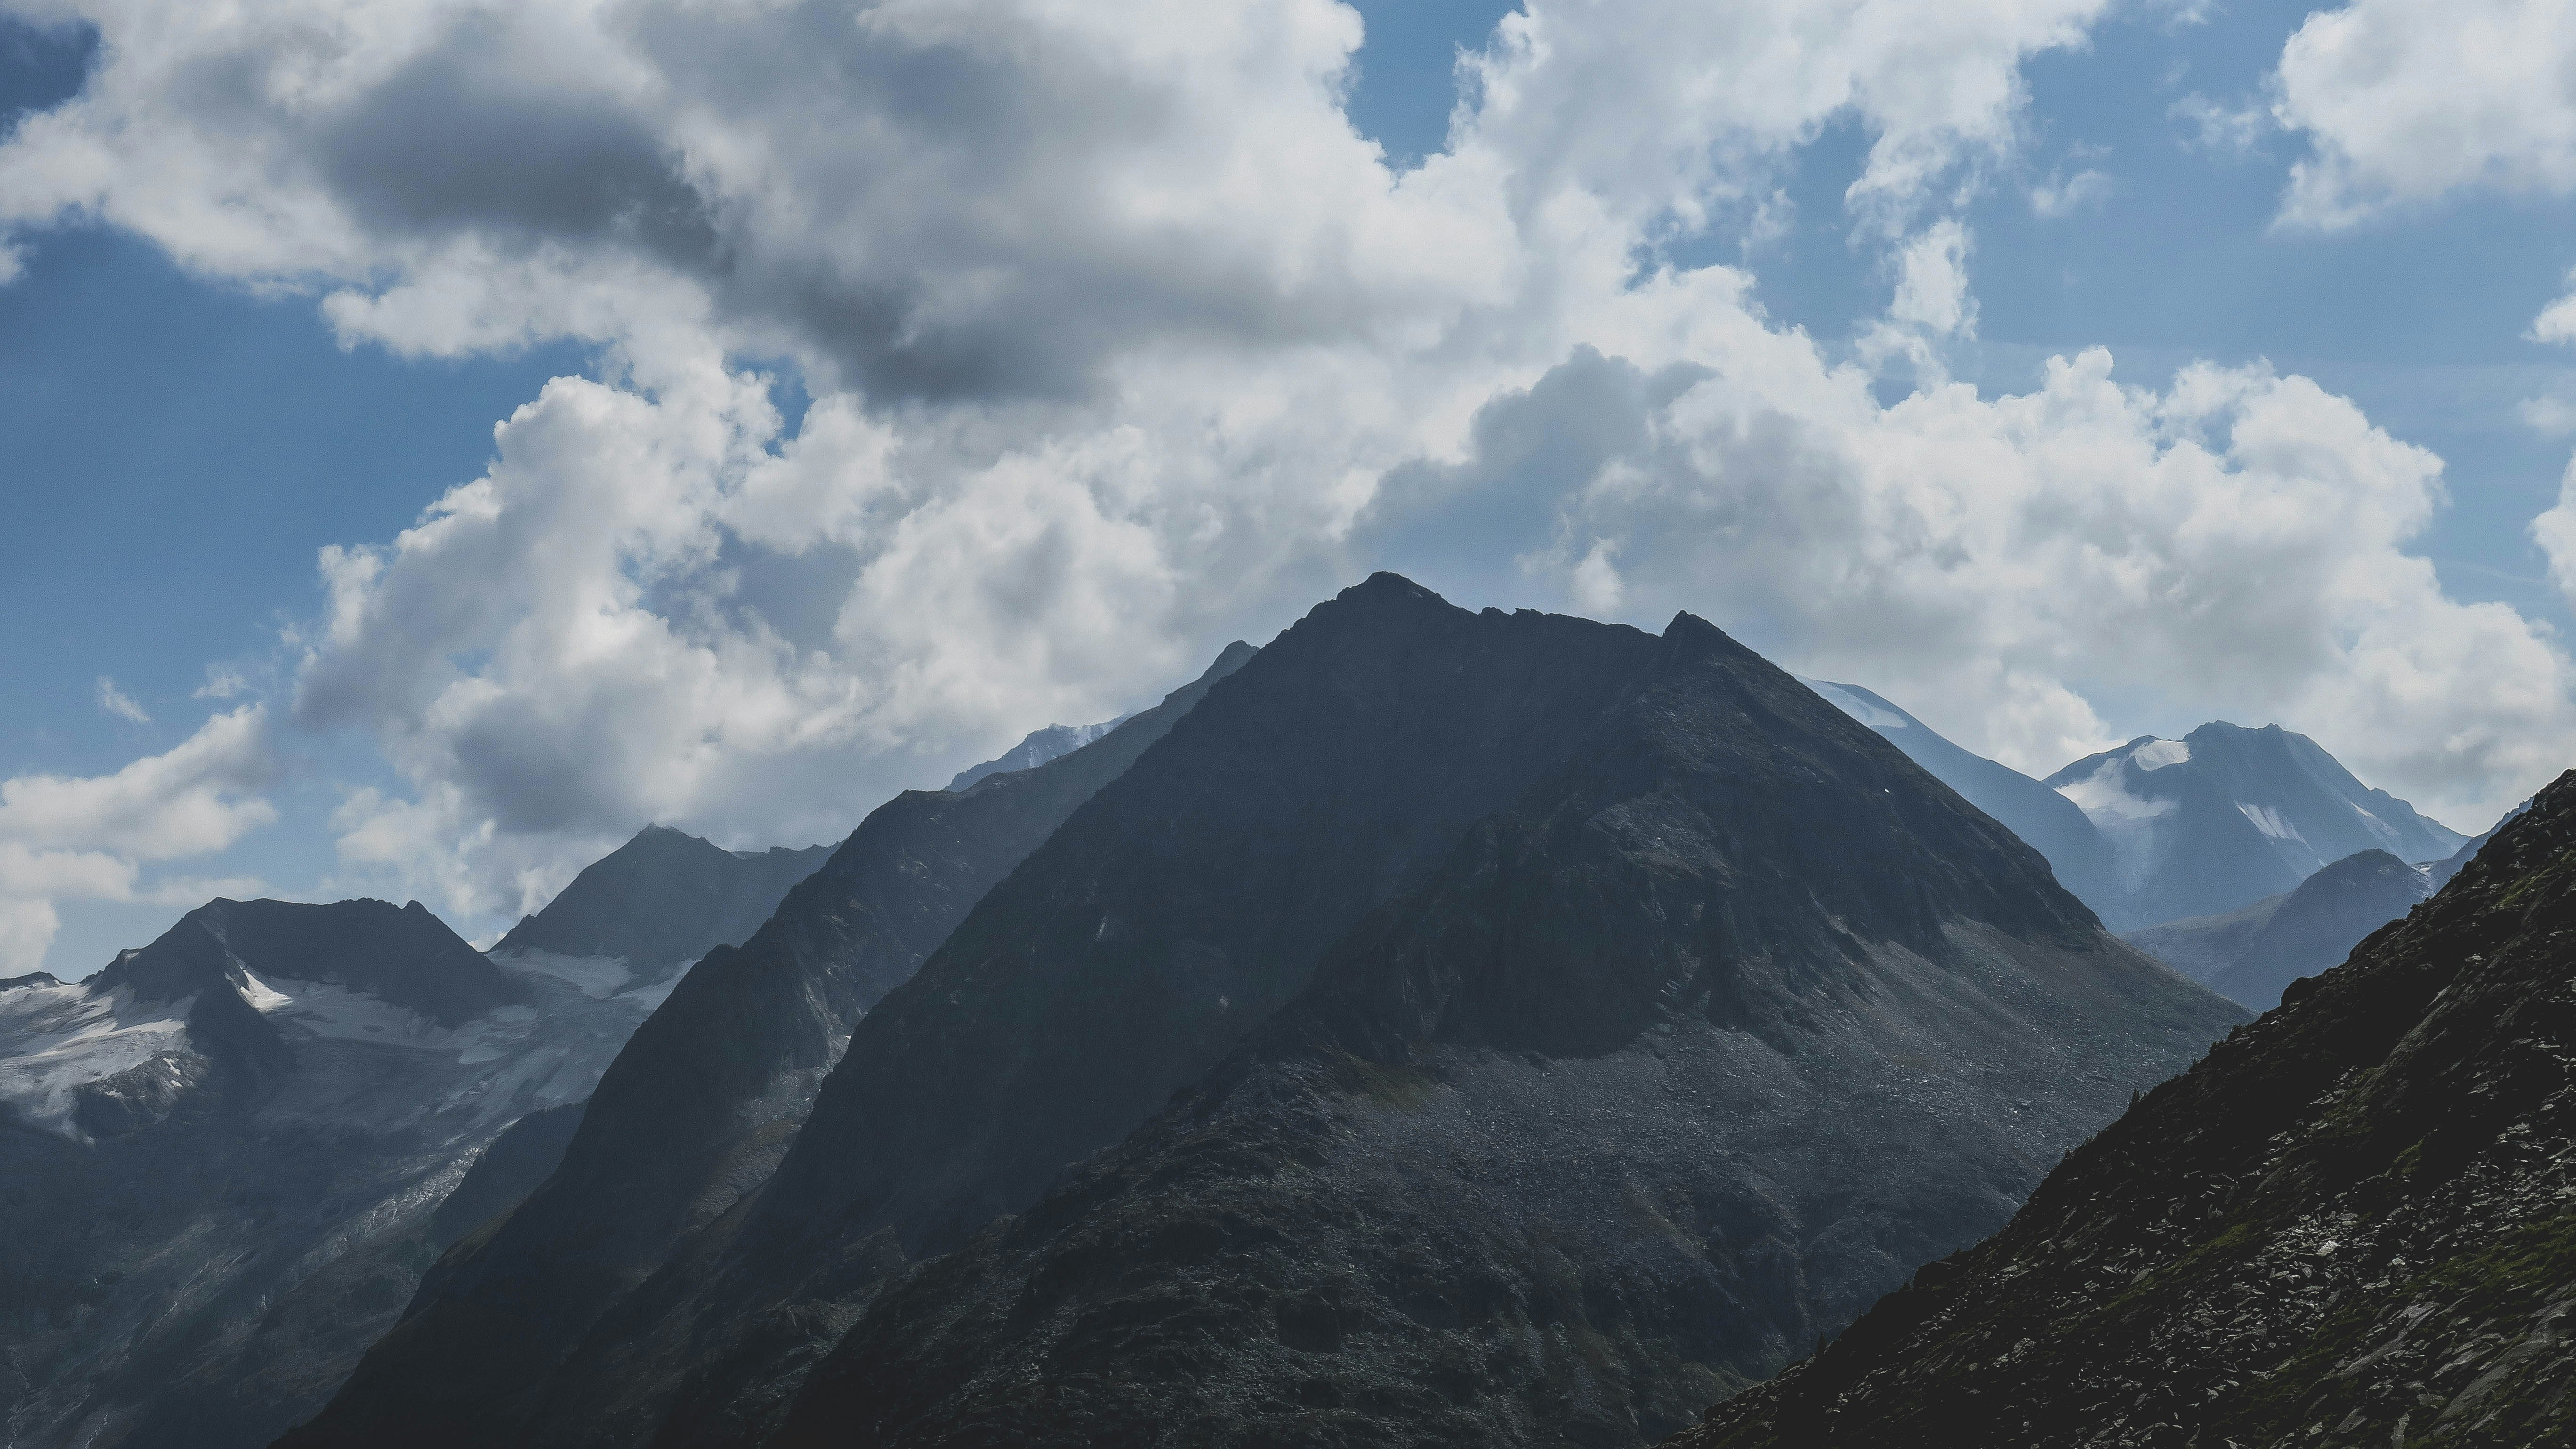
x=698, y=1108
x=1695, y=1040
x=2046, y=821
x=661, y=901
x=2225, y=816
x=2354, y=1223
x=223, y=1159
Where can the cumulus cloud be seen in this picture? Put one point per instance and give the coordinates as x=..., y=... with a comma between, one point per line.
x=1121, y=342
x=88, y=837
x=2406, y=103
x=2236, y=537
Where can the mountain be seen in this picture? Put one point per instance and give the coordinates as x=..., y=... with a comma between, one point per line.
x=697, y=1109
x=224, y=1158
x=1745, y=914
x=2226, y=816
x=2250, y=954
x=659, y=902
x=1686, y=1048
x=2350, y=1224
x=2318, y=924
x=1053, y=742
x=2045, y=820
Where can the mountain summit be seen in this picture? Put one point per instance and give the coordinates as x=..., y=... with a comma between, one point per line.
x=1457, y=1024
x=661, y=901
x=2226, y=816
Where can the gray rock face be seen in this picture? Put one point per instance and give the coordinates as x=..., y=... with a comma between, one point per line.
x=1696, y=1040
x=661, y=901
x=2226, y=816
x=696, y=1112
x=2353, y=1223
x=2045, y=820
x=223, y=1159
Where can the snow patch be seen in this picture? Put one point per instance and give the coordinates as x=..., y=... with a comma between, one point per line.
x=2156, y=754
x=598, y=977
x=55, y=1040
x=2269, y=821
x=2104, y=794
x=339, y=1013
x=2129, y=823
x=1857, y=707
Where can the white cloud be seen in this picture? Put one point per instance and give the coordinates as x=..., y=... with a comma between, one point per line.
x=2557, y=321
x=223, y=681
x=2237, y=538
x=2406, y=103
x=2227, y=130
x=86, y=837
x=1122, y=343
x=2064, y=196
x=117, y=702
x=2547, y=414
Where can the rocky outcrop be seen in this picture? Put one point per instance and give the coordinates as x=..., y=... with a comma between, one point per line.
x=2354, y=1223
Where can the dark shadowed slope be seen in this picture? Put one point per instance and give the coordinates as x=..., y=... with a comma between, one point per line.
x=2318, y=924
x=697, y=1109
x=1165, y=920
x=662, y=900
x=222, y=1159
x=2045, y=820
x=2353, y=1224
x=1689, y=1048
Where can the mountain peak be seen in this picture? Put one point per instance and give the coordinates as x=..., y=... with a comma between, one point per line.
x=1383, y=592
x=662, y=900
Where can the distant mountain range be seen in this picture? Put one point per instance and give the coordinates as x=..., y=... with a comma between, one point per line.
x=1433, y=1028
x=230, y=1154
x=2349, y=1225
x=2164, y=830
x=1451, y=1028
x=225, y=1157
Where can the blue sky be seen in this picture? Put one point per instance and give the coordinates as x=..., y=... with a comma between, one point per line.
x=190, y=431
